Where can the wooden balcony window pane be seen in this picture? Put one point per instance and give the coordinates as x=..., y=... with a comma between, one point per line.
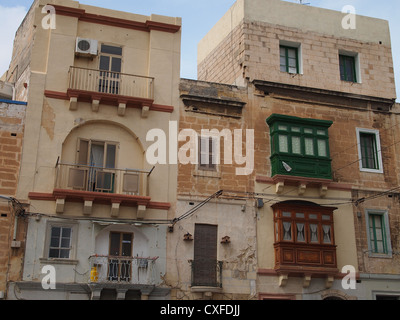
x=309, y=146
x=287, y=231
x=283, y=143
x=314, y=233
x=322, y=150
x=296, y=145
x=300, y=232
x=327, y=234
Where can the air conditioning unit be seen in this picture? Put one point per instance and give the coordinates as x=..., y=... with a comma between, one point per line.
x=86, y=47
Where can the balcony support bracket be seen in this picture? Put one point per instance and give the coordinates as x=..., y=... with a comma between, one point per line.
x=323, y=191
x=60, y=204
x=280, y=185
x=145, y=112
x=87, y=207
x=115, y=209
x=283, y=280
x=121, y=293
x=302, y=189
x=73, y=103
x=329, y=282
x=121, y=109
x=306, y=281
x=95, y=105
x=141, y=211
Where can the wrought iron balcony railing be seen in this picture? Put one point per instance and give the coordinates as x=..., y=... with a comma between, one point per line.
x=206, y=273
x=115, y=83
x=130, y=270
x=105, y=180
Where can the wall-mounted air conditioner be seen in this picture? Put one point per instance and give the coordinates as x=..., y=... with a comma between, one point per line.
x=86, y=47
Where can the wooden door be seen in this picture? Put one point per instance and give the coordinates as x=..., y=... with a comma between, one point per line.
x=205, y=255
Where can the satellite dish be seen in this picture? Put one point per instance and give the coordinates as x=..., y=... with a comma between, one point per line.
x=287, y=167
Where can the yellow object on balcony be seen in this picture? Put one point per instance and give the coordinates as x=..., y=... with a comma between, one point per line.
x=94, y=275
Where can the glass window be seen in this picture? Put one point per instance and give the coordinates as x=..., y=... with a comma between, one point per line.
x=283, y=143
x=60, y=242
x=322, y=150
x=314, y=233
x=308, y=227
x=111, y=50
x=309, y=146
x=300, y=232
x=208, y=153
x=377, y=234
x=368, y=151
x=347, y=68
x=287, y=231
x=327, y=239
x=289, y=59
x=296, y=145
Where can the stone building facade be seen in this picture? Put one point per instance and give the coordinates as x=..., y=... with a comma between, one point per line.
x=97, y=213
x=322, y=101
x=12, y=119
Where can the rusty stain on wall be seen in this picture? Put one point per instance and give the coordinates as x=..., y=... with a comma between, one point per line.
x=48, y=119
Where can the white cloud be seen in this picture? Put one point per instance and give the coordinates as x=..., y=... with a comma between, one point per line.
x=10, y=19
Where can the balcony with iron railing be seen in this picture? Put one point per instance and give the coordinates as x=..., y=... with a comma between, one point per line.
x=122, y=270
x=112, y=88
x=103, y=185
x=206, y=275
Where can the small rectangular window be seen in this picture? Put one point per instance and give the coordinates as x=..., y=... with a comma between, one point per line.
x=368, y=151
x=111, y=50
x=283, y=143
x=287, y=231
x=347, y=68
x=289, y=59
x=60, y=242
x=370, y=155
x=377, y=234
x=207, y=153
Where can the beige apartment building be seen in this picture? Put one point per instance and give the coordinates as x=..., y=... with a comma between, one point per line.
x=321, y=101
x=95, y=82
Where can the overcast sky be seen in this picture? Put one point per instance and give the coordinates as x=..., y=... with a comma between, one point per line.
x=198, y=18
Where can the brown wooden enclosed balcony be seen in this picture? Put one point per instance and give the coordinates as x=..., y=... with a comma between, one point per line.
x=91, y=184
x=112, y=88
x=304, y=240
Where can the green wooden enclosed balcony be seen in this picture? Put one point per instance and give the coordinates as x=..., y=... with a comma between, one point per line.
x=300, y=147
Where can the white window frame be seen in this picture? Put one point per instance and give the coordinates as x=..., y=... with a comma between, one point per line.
x=378, y=148
x=298, y=46
x=214, y=152
x=385, y=215
x=74, y=237
x=356, y=57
